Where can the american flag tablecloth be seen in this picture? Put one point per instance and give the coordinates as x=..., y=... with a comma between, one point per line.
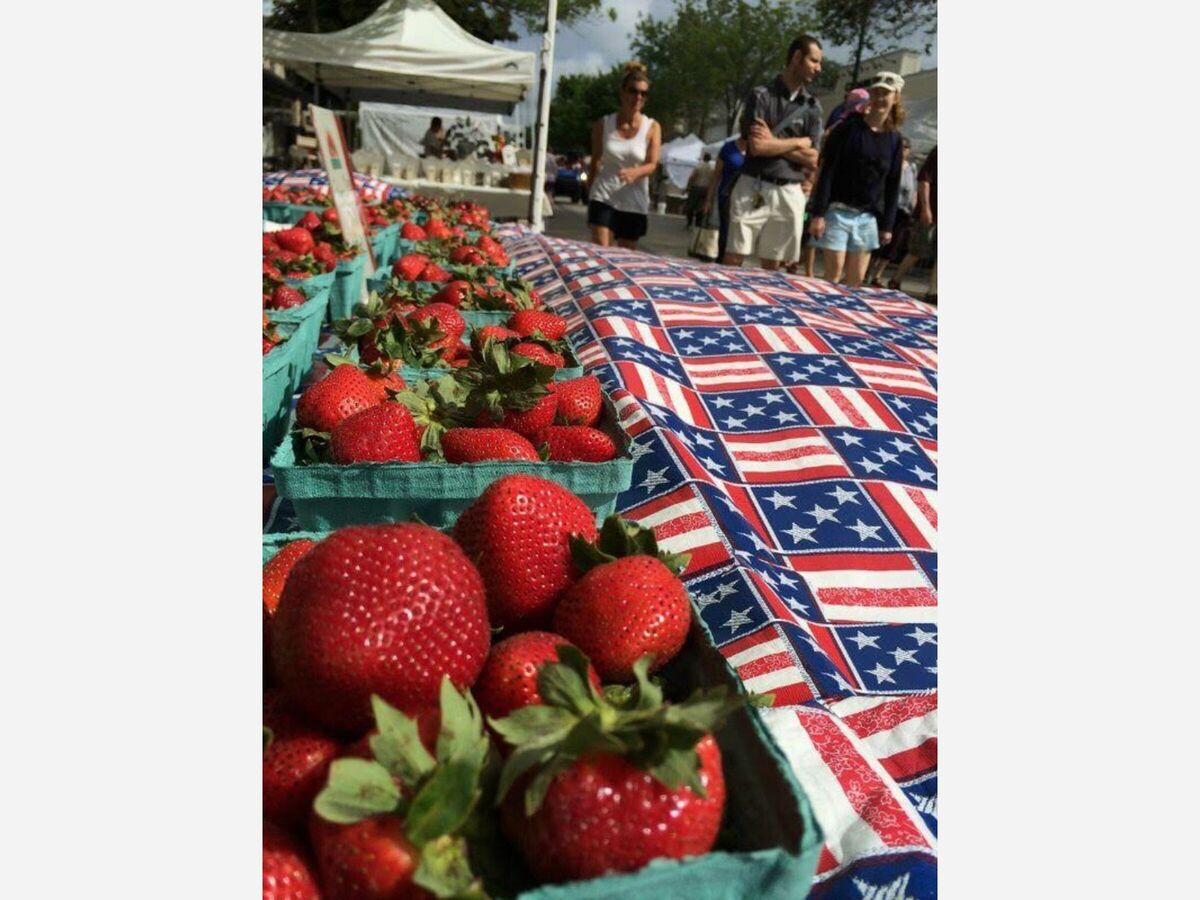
x=317, y=181
x=785, y=433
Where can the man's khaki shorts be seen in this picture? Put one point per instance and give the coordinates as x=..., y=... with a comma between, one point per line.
x=772, y=231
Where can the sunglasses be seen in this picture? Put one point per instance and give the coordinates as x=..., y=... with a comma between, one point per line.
x=635, y=92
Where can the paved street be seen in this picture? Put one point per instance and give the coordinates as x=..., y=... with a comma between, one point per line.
x=666, y=236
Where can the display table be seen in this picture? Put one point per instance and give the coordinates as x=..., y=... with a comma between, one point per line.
x=502, y=203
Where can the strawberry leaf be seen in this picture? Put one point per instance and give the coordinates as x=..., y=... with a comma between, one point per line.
x=445, y=802
x=462, y=724
x=679, y=768
x=356, y=790
x=620, y=538
x=268, y=736
x=398, y=745
x=445, y=870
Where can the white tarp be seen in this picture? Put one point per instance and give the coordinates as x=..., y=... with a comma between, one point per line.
x=679, y=157
x=921, y=125
x=405, y=47
x=394, y=130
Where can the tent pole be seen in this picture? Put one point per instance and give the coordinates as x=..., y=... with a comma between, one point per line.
x=538, y=188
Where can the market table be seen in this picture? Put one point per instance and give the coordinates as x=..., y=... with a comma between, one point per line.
x=785, y=435
x=502, y=203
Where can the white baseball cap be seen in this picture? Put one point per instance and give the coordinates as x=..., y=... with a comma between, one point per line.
x=889, y=80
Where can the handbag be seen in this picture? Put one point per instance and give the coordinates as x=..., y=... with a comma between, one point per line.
x=705, y=242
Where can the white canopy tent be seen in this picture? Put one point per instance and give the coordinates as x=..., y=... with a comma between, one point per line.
x=395, y=130
x=679, y=157
x=407, y=51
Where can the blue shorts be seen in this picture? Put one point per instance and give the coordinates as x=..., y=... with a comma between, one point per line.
x=848, y=229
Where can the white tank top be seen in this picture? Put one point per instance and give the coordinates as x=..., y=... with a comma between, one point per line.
x=622, y=153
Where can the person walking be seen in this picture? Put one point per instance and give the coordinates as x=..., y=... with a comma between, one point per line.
x=859, y=179
x=896, y=250
x=697, y=189
x=625, y=149
x=924, y=234
x=781, y=123
x=729, y=165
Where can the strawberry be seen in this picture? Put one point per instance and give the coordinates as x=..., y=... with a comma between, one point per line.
x=538, y=353
x=527, y=322
x=468, y=445
x=450, y=322
x=623, y=780
x=309, y=221
x=295, y=763
x=381, y=433
x=276, y=569
x=491, y=333
x=387, y=383
x=579, y=401
x=367, y=859
x=286, y=297
x=437, y=229
x=269, y=245
x=383, y=609
x=509, y=678
x=468, y=256
x=323, y=253
x=433, y=272
x=576, y=443
x=518, y=533
x=270, y=271
x=411, y=231
x=453, y=294
x=629, y=602
x=295, y=240
x=286, y=873
x=344, y=391
x=330, y=215
x=530, y=422
x=268, y=345
x=409, y=266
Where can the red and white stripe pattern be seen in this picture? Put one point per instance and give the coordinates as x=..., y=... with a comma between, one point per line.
x=910, y=509
x=630, y=412
x=868, y=587
x=729, y=373
x=675, y=313
x=861, y=318
x=619, y=326
x=739, y=296
x=857, y=803
x=569, y=267
x=830, y=323
x=621, y=292
x=900, y=732
x=813, y=285
x=785, y=338
x=651, y=386
x=892, y=306
x=930, y=448
x=894, y=377
x=592, y=354
x=596, y=279
x=846, y=406
x=766, y=664
x=793, y=454
x=681, y=525
x=926, y=359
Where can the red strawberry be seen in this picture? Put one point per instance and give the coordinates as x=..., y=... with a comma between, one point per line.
x=450, y=321
x=295, y=763
x=268, y=345
x=270, y=271
x=625, y=607
x=576, y=443
x=386, y=382
x=323, y=253
x=310, y=220
x=343, y=392
x=409, y=266
x=382, y=433
x=411, y=231
x=369, y=860
x=604, y=814
x=529, y=422
x=330, y=215
x=538, y=353
x=437, y=229
x=286, y=873
x=453, y=294
x=491, y=333
x=433, y=272
x=468, y=256
x=286, y=297
x=276, y=569
x=378, y=609
x=468, y=445
x=295, y=240
x=509, y=678
x=579, y=401
x=269, y=245
x=527, y=321
x=518, y=533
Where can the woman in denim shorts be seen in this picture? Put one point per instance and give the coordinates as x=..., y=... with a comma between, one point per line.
x=859, y=179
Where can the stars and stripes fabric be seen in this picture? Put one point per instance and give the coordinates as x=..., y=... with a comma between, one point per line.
x=785, y=435
x=371, y=189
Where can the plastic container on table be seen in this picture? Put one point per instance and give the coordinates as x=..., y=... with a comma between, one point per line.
x=306, y=319
x=383, y=245
x=769, y=842
x=281, y=377
x=288, y=213
x=327, y=496
x=347, y=287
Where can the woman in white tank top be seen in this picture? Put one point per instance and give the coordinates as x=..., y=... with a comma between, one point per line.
x=625, y=148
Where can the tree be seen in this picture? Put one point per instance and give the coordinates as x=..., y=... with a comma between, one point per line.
x=579, y=101
x=874, y=25
x=489, y=20
x=706, y=56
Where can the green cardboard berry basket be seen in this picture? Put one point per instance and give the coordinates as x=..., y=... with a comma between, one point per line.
x=769, y=842
x=347, y=286
x=281, y=368
x=327, y=496
x=307, y=319
x=383, y=244
x=287, y=213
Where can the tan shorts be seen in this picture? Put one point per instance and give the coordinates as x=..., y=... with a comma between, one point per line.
x=772, y=231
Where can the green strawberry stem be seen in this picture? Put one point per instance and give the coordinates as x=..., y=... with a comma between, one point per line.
x=620, y=538
x=576, y=720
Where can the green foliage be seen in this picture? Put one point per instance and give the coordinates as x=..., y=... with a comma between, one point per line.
x=580, y=100
x=489, y=20
x=706, y=56
x=870, y=26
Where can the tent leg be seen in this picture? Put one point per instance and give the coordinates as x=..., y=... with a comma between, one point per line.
x=538, y=188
